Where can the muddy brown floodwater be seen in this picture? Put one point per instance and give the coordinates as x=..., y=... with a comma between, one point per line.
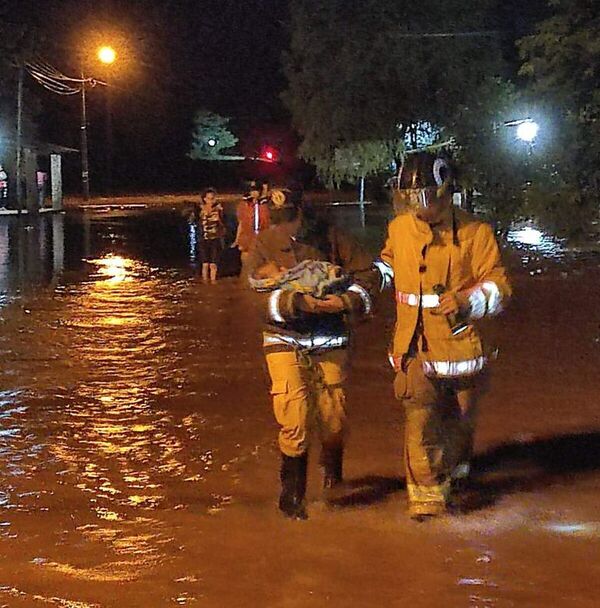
x=138, y=464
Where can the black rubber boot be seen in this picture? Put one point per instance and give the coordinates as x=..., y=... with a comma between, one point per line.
x=293, y=486
x=332, y=459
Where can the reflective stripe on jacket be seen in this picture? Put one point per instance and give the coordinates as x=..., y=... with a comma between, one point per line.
x=288, y=327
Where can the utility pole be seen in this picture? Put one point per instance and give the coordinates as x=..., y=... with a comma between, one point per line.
x=85, y=168
x=19, y=167
x=109, y=142
x=361, y=200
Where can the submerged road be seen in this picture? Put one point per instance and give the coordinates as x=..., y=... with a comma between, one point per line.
x=138, y=464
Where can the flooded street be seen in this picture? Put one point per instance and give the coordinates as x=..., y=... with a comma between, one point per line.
x=138, y=461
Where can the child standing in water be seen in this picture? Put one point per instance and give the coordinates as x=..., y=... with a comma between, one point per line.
x=212, y=233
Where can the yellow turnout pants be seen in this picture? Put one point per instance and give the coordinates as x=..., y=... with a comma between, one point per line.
x=439, y=428
x=308, y=396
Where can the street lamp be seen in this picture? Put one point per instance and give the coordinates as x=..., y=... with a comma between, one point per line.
x=527, y=131
x=107, y=55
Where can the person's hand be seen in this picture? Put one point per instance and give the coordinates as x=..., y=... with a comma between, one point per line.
x=233, y=245
x=453, y=303
x=331, y=304
x=308, y=303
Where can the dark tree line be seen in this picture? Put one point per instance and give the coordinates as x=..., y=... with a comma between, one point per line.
x=362, y=75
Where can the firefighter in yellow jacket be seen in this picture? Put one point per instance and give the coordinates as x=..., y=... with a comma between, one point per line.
x=306, y=341
x=445, y=267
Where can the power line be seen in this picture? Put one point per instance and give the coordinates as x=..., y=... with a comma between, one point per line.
x=52, y=84
x=480, y=34
x=55, y=81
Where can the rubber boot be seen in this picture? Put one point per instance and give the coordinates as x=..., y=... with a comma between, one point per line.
x=332, y=459
x=293, y=486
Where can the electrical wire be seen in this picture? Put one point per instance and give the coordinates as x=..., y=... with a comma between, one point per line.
x=55, y=81
x=40, y=65
x=55, y=86
x=480, y=34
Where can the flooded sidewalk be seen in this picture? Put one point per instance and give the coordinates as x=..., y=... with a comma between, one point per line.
x=138, y=461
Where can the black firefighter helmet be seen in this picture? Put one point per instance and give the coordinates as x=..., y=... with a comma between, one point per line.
x=425, y=178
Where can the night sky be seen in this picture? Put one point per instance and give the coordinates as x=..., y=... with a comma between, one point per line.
x=175, y=56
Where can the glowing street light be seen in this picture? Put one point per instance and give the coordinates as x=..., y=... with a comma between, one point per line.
x=212, y=142
x=107, y=55
x=527, y=130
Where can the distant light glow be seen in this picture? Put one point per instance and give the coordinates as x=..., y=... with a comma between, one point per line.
x=533, y=239
x=114, y=268
x=528, y=236
x=107, y=55
x=583, y=529
x=269, y=154
x=568, y=528
x=212, y=142
x=528, y=130
x=193, y=242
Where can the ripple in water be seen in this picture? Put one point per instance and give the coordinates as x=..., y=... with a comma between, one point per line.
x=532, y=239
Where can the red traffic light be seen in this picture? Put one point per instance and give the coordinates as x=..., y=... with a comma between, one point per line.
x=269, y=154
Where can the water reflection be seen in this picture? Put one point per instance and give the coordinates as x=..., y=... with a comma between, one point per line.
x=124, y=439
x=115, y=267
x=532, y=238
x=579, y=529
x=107, y=406
x=193, y=240
x=31, y=253
x=133, y=405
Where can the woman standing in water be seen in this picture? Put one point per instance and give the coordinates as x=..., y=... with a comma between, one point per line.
x=212, y=233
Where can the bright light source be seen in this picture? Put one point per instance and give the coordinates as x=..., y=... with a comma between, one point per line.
x=528, y=130
x=528, y=236
x=114, y=267
x=107, y=55
x=212, y=142
x=534, y=239
x=269, y=154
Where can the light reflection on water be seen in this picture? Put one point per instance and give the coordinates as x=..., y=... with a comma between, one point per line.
x=119, y=430
x=111, y=404
x=531, y=238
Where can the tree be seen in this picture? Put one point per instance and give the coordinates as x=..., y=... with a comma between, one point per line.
x=358, y=159
x=491, y=159
x=211, y=137
x=561, y=62
x=360, y=74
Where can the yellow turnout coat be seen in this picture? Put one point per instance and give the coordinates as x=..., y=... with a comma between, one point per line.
x=461, y=254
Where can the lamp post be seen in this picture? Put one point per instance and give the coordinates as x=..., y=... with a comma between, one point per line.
x=19, y=159
x=528, y=130
x=107, y=56
x=85, y=166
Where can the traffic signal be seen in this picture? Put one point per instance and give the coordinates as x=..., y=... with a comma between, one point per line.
x=269, y=154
